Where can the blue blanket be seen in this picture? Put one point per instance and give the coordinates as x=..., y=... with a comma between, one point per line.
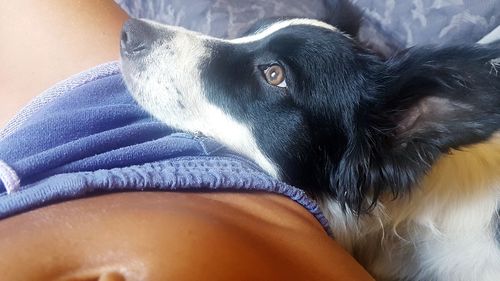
x=88, y=136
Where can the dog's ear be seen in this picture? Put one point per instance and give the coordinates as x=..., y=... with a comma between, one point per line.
x=429, y=102
x=350, y=19
x=344, y=15
x=448, y=97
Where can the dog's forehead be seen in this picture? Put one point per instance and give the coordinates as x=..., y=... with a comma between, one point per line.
x=280, y=25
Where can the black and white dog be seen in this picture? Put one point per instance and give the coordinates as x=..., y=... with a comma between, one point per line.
x=402, y=154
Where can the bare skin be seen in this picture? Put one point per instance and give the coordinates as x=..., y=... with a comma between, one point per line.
x=172, y=236
x=139, y=236
x=50, y=40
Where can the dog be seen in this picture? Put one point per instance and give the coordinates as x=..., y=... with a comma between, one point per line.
x=402, y=154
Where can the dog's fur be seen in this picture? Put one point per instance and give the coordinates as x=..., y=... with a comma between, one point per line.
x=401, y=154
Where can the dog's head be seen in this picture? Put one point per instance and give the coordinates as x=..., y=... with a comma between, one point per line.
x=309, y=106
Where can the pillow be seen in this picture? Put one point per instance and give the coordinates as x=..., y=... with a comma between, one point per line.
x=433, y=21
x=220, y=18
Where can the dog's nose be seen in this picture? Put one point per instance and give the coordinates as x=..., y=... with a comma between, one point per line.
x=137, y=37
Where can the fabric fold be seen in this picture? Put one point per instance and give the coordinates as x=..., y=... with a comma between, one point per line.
x=89, y=137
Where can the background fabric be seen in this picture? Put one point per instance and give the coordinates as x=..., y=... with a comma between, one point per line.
x=433, y=21
x=220, y=18
x=388, y=25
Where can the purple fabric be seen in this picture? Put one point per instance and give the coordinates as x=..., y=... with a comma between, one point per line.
x=93, y=138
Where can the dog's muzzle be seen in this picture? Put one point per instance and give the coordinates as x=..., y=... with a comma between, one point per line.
x=138, y=36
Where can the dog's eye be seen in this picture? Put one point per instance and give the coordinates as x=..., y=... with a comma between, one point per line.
x=275, y=75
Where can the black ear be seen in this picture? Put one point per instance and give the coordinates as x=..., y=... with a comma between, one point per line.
x=344, y=15
x=350, y=19
x=442, y=98
x=429, y=102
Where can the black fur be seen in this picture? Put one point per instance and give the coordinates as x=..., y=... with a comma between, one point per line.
x=349, y=18
x=351, y=125
x=430, y=101
x=344, y=15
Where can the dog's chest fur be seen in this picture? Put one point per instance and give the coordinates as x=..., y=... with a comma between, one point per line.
x=446, y=224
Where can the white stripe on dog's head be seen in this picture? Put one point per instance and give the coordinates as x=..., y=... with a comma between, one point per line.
x=277, y=26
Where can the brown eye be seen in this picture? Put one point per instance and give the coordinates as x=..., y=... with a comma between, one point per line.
x=275, y=75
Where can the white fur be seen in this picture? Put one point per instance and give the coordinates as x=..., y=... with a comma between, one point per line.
x=442, y=231
x=491, y=37
x=269, y=30
x=495, y=66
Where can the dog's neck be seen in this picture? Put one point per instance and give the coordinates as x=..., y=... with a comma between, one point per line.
x=457, y=179
x=456, y=201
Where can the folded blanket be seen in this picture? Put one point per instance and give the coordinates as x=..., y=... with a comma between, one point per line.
x=87, y=135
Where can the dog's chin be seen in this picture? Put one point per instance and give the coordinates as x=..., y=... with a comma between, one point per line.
x=127, y=73
x=132, y=78
x=141, y=86
x=184, y=107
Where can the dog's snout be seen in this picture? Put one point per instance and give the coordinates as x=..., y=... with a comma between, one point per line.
x=137, y=37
